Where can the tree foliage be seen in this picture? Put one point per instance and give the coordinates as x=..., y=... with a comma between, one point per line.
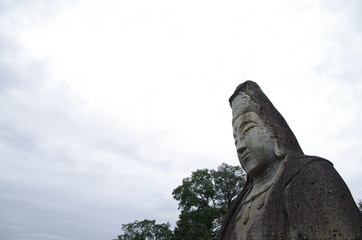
x=203, y=200
x=228, y=183
x=215, y=188
x=359, y=204
x=146, y=230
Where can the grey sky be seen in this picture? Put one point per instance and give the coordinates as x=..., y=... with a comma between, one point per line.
x=107, y=105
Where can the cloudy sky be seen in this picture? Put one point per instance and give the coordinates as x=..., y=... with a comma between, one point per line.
x=105, y=106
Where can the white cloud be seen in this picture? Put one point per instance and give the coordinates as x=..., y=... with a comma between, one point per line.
x=107, y=105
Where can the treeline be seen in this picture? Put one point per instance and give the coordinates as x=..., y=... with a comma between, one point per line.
x=203, y=199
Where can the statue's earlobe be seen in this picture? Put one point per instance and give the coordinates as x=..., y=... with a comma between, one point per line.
x=279, y=151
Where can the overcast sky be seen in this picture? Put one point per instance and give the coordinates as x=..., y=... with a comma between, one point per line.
x=105, y=106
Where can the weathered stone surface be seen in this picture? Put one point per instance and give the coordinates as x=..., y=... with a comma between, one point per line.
x=288, y=195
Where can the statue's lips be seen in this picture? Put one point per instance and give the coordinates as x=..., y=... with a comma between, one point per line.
x=244, y=157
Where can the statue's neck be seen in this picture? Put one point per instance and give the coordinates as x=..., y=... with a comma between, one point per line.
x=268, y=176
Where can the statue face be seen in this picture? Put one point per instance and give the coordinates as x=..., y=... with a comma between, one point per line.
x=254, y=144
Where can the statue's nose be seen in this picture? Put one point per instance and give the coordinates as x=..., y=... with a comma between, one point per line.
x=240, y=146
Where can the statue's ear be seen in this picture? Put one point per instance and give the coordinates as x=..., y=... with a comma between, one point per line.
x=278, y=150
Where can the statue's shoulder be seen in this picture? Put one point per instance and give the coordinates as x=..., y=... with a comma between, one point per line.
x=296, y=162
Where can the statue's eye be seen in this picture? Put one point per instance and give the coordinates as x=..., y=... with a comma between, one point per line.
x=249, y=126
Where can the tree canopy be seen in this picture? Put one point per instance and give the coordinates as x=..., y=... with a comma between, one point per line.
x=203, y=200
x=146, y=230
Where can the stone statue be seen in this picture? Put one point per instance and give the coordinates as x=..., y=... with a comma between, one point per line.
x=288, y=195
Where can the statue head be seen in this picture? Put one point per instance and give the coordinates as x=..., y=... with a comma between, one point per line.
x=261, y=134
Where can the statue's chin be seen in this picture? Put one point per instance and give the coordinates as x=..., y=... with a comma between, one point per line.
x=256, y=168
x=252, y=168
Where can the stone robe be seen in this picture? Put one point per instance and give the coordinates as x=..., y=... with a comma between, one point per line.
x=309, y=200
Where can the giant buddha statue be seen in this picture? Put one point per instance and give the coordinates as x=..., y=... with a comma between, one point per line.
x=288, y=195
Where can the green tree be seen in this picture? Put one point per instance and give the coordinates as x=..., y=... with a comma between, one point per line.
x=228, y=183
x=146, y=230
x=203, y=200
